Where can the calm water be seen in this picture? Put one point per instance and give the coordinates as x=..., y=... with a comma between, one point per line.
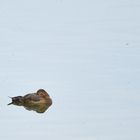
x=85, y=54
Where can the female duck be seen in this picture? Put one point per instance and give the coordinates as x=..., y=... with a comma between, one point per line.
x=39, y=101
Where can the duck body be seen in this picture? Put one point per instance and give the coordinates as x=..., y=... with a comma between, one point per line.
x=39, y=101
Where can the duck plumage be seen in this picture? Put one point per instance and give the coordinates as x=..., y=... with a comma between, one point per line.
x=39, y=101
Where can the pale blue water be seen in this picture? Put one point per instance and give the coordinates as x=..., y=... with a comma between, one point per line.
x=85, y=54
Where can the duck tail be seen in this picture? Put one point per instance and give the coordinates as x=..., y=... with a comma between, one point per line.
x=11, y=102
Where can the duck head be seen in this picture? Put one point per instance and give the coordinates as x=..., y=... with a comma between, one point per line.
x=42, y=93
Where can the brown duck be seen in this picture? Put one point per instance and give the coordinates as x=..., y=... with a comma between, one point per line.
x=39, y=101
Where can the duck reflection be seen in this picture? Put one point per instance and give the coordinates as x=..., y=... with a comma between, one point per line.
x=39, y=101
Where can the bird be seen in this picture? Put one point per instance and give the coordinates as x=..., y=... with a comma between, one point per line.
x=39, y=101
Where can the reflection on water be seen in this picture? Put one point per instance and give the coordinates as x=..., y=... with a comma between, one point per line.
x=39, y=101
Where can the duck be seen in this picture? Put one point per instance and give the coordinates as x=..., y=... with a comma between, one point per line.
x=39, y=101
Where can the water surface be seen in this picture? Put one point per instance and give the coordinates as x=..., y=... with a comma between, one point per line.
x=85, y=54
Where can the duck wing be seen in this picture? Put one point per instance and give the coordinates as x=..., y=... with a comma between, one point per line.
x=31, y=97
